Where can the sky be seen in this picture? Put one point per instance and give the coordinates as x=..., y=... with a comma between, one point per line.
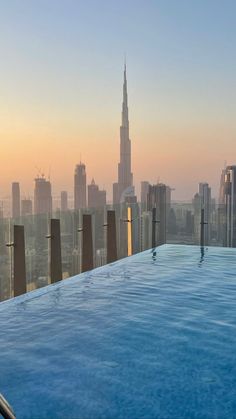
x=61, y=78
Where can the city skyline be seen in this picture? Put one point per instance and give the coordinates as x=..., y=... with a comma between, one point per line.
x=121, y=189
x=59, y=65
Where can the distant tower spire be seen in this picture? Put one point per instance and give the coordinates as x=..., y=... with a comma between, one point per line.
x=125, y=112
x=125, y=176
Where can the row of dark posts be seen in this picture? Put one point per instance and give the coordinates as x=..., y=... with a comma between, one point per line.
x=18, y=245
x=19, y=273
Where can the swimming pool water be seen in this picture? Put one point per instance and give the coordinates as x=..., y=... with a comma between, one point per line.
x=150, y=336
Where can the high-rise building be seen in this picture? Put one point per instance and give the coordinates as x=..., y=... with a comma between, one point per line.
x=221, y=219
x=189, y=222
x=42, y=196
x=146, y=230
x=144, y=192
x=172, y=222
x=229, y=238
x=124, y=186
x=205, y=194
x=202, y=200
x=222, y=187
x=64, y=201
x=206, y=204
x=80, y=186
x=26, y=207
x=159, y=197
x=15, y=199
x=96, y=197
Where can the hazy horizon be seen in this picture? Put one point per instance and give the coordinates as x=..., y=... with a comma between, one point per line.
x=61, y=91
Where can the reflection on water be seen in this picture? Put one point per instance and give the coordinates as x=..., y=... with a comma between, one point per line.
x=202, y=251
x=203, y=254
x=154, y=255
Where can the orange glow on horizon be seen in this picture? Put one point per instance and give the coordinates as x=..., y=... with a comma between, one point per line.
x=180, y=156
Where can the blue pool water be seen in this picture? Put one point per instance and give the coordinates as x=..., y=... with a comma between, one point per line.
x=150, y=336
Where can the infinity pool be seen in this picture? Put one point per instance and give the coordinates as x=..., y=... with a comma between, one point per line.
x=150, y=336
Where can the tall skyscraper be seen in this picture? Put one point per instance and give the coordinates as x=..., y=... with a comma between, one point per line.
x=189, y=222
x=221, y=216
x=64, y=201
x=26, y=207
x=96, y=197
x=42, y=196
x=222, y=187
x=202, y=200
x=146, y=230
x=124, y=186
x=15, y=199
x=80, y=186
x=144, y=192
x=205, y=194
x=229, y=238
x=159, y=197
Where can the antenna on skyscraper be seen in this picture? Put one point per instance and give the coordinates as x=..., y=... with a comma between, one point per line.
x=39, y=172
x=49, y=173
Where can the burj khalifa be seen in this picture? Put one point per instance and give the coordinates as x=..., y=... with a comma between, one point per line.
x=124, y=187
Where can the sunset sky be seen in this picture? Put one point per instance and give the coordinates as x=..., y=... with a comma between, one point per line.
x=61, y=78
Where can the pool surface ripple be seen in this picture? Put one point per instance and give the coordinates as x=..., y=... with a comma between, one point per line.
x=150, y=336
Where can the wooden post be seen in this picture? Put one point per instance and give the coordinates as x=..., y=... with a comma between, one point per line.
x=129, y=231
x=55, y=251
x=154, y=223
x=111, y=236
x=19, y=261
x=202, y=241
x=87, y=243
